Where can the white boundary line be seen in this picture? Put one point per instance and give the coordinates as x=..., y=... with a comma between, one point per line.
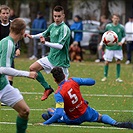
x=96, y=95
x=124, y=111
x=90, y=127
x=106, y=95
x=72, y=126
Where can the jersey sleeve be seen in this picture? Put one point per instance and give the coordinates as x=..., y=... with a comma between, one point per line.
x=46, y=33
x=57, y=115
x=59, y=100
x=64, y=35
x=59, y=112
x=84, y=81
x=13, y=72
x=7, y=54
x=54, y=45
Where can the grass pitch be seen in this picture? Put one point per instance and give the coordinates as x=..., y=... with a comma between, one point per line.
x=111, y=97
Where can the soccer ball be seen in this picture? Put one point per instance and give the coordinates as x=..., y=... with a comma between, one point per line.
x=110, y=38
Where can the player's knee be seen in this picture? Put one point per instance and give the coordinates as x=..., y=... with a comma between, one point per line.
x=36, y=67
x=31, y=68
x=24, y=113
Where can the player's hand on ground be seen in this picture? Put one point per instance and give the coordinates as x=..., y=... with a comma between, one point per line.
x=33, y=75
x=27, y=35
x=42, y=39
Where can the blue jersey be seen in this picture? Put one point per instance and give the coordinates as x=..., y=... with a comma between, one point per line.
x=69, y=99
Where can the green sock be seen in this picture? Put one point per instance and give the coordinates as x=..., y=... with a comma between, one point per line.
x=106, y=67
x=118, y=69
x=42, y=81
x=21, y=125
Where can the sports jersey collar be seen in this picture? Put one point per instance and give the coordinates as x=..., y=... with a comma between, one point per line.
x=59, y=24
x=115, y=25
x=62, y=82
x=5, y=24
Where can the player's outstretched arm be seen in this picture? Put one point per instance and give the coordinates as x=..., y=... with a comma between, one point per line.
x=17, y=73
x=27, y=35
x=54, y=45
x=57, y=115
x=32, y=75
x=84, y=81
x=37, y=36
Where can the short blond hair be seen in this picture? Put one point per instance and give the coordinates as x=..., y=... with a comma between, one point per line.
x=5, y=7
x=17, y=25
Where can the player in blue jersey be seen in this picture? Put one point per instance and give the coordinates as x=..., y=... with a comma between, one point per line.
x=71, y=108
x=59, y=34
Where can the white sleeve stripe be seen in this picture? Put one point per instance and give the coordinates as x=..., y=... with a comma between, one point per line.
x=65, y=33
x=9, y=50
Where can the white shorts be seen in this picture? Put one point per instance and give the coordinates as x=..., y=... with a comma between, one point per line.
x=10, y=95
x=45, y=63
x=109, y=54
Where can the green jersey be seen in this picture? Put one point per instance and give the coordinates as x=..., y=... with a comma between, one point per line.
x=120, y=31
x=59, y=34
x=7, y=51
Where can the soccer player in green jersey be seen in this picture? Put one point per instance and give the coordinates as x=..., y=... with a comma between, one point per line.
x=116, y=50
x=8, y=94
x=59, y=34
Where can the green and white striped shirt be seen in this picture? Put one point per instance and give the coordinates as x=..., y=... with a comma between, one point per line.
x=7, y=51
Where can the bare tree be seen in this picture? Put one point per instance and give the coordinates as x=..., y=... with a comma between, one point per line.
x=15, y=5
x=104, y=8
x=34, y=8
